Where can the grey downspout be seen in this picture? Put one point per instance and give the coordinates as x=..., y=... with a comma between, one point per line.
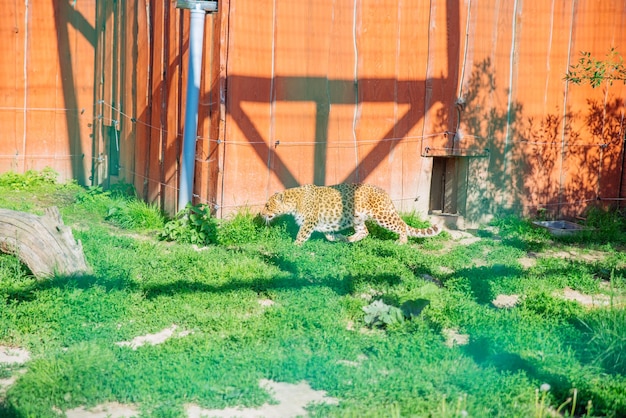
x=198, y=10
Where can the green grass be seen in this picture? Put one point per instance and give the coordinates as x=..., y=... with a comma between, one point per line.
x=316, y=329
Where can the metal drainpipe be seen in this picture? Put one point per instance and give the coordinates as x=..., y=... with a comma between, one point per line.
x=198, y=10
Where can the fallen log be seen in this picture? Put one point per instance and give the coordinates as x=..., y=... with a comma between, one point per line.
x=43, y=243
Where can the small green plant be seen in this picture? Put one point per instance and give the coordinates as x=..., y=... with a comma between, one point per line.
x=606, y=342
x=454, y=408
x=567, y=408
x=596, y=71
x=92, y=194
x=521, y=233
x=135, y=214
x=122, y=189
x=606, y=225
x=192, y=225
x=28, y=180
x=549, y=307
x=378, y=314
x=240, y=229
x=541, y=407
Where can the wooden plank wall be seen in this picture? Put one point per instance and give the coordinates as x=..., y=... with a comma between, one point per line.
x=46, y=87
x=142, y=59
x=322, y=92
x=366, y=90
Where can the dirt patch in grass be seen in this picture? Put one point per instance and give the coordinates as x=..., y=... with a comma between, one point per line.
x=575, y=253
x=107, y=410
x=454, y=337
x=505, y=301
x=529, y=261
x=292, y=401
x=12, y=356
x=463, y=237
x=154, y=339
x=589, y=256
x=592, y=301
x=353, y=363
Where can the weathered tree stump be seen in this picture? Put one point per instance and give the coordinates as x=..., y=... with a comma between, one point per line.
x=43, y=243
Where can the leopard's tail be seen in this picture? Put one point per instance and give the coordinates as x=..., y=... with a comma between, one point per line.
x=424, y=232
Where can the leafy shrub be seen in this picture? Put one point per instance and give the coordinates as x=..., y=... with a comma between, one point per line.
x=379, y=314
x=238, y=230
x=551, y=308
x=92, y=194
x=122, y=189
x=135, y=214
x=192, y=225
x=28, y=180
x=607, y=225
x=606, y=342
x=521, y=233
x=596, y=72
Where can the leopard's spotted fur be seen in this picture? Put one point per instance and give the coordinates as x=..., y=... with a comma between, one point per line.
x=334, y=208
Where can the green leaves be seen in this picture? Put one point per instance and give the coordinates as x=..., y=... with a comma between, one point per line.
x=379, y=314
x=193, y=225
x=135, y=214
x=29, y=179
x=255, y=307
x=596, y=71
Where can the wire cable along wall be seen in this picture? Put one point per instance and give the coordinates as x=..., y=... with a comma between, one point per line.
x=466, y=99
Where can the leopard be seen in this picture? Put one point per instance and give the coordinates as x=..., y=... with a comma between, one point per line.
x=330, y=209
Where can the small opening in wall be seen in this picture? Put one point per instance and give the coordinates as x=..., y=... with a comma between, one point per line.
x=446, y=184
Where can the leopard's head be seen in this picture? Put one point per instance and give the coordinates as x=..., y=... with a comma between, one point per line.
x=276, y=205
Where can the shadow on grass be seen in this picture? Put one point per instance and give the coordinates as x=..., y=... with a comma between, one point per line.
x=601, y=339
x=259, y=286
x=29, y=292
x=605, y=400
x=295, y=273
x=9, y=411
x=340, y=285
x=486, y=353
x=482, y=282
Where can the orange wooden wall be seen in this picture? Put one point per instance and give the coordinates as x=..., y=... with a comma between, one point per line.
x=320, y=92
x=142, y=57
x=46, y=87
x=367, y=90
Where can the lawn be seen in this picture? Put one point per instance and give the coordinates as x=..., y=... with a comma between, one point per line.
x=194, y=314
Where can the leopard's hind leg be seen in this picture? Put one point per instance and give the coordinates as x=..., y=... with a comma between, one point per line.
x=360, y=230
x=394, y=223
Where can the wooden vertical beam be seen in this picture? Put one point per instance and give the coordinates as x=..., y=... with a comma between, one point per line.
x=139, y=72
x=172, y=106
x=208, y=115
x=220, y=92
x=216, y=132
x=157, y=122
x=99, y=94
x=450, y=186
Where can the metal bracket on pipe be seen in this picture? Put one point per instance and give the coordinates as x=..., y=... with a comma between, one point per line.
x=207, y=6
